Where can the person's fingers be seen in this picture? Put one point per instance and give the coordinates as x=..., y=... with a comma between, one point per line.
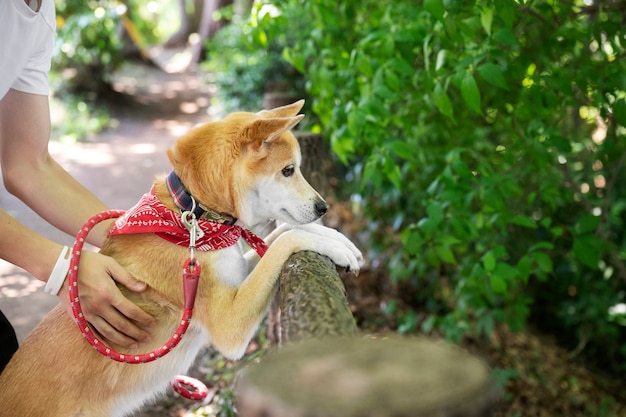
x=121, y=303
x=119, y=274
x=112, y=332
x=131, y=311
x=123, y=332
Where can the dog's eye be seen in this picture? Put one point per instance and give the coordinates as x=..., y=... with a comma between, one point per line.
x=288, y=171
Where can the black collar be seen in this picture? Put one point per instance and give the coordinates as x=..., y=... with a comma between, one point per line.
x=185, y=202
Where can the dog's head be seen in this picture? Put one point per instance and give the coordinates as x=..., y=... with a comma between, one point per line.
x=248, y=165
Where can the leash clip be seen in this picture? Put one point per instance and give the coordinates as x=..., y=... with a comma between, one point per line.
x=191, y=223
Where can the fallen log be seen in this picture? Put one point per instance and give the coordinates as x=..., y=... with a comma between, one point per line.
x=311, y=299
x=359, y=377
x=324, y=368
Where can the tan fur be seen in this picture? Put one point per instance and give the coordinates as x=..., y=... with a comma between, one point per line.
x=233, y=166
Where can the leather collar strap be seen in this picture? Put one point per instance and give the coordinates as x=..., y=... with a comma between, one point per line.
x=185, y=202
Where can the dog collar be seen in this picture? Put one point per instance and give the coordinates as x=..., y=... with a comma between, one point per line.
x=185, y=202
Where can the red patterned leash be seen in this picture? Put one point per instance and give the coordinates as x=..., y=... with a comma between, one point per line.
x=191, y=275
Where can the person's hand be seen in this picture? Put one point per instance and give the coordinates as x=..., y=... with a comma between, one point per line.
x=104, y=306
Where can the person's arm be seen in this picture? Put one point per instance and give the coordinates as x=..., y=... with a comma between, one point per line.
x=30, y=173
x=33, y=176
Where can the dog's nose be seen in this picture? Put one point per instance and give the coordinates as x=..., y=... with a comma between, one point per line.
x=321, y=207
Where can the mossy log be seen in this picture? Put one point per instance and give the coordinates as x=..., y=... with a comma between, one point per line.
x=312, y=299
x=325, y=369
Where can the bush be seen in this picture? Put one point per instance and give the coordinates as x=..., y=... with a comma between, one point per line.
x=486, y=141
x=244, y=61
x=88, y=43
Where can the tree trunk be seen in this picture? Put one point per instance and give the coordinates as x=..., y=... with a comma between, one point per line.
x=208, y=27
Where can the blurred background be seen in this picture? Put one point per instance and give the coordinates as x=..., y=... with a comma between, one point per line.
x=477, y=153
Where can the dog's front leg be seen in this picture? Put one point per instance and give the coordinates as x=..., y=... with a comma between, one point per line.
x=252, y=258
x=239, y=311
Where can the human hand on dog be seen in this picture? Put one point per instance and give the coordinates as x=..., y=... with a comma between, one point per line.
x=104, y=306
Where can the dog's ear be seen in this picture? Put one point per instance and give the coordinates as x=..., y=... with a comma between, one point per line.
x=284, y=111
x=262, y=131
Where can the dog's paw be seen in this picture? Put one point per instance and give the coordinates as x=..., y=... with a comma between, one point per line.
x=327, y=232
x=336, y=247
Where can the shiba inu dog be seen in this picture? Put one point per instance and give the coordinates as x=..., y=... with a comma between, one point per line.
x=242, y=170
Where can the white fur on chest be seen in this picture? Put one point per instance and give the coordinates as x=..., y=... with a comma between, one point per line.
x=230, y=265
x=158, y=375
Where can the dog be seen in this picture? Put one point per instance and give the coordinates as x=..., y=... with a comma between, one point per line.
x=242, y=170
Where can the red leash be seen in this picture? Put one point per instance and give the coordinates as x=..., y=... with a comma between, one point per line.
x=191, y=275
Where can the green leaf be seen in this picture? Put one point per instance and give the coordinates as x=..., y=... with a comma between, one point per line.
x=392, y=171
x=489, y=261
x=506, y=271
x=435, y=8
x=363, y=64
x=498, y=284
x=260, y=37
x=401, y=66
x=435, y=211
x=586, y=252
x=619, y=111
x=297, y=60
x=492, y=74
x=445, y=254
x=505, y=10
x=587, y=224
x=427, y=225
x=544, y=262
x=402, y=149
x=393, y=81
x=524, y=268
x=505, y=36
x=486, y=19
x=470, y=93
x=411, y=239
x=442, y=101
x=541, y=245
x=524, y=221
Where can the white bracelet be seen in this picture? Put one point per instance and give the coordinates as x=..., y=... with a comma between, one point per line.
x=59, y=272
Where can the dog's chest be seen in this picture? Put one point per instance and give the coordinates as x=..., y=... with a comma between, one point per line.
x=230, y=265
x=158, y=375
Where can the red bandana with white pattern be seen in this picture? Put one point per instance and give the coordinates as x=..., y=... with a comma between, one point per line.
x=150, y=215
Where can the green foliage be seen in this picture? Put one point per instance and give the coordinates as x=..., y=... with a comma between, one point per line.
x=244, y=59
x=88, y=43
x=94, y=36
x=73, y=119
x=487, y=142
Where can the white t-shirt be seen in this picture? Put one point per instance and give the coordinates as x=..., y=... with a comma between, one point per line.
x=26, y=43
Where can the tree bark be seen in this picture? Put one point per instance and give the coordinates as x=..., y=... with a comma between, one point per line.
x=311, y=299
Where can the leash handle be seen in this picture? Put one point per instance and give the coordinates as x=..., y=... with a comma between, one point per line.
x=191, y=277
x=83, y=325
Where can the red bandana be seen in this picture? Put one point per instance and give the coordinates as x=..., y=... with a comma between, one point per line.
x=149, y=215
